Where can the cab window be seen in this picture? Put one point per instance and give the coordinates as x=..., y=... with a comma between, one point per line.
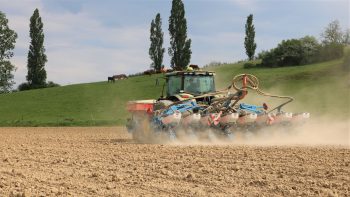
x=199, y=84
x=174, y=85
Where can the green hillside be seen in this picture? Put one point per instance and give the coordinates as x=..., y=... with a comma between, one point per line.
x=98, y=103
x=321, y=88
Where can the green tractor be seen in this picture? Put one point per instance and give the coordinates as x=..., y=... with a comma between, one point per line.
x=182, y=85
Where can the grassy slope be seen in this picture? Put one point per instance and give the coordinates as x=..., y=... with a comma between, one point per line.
x=321, y=88
x=99, y=103
x=318, y=88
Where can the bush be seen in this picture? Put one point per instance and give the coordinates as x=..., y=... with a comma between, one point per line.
x=23, y=86
x=262, y=54
x=248, y=65
x=26, y=86
x=269, y=59
x=302, y=51
x=51, y=84
x=330, y=52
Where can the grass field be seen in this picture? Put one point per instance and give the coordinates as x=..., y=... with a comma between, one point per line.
x=98, y=103
x=321, y=88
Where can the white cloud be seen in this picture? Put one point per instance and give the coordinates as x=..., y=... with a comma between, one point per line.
x=20, y=7
x=79, y=48
x=246, y=4
x=212, y=47
x=86, y=43
x=92, y=64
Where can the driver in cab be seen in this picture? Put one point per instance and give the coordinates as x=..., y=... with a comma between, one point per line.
x=192, y=86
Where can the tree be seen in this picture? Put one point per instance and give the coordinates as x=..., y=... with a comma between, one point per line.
x=180, y=47
x=310, y=49
x=156, y=50
x=292, y=52
x=333, y=40
x=36, y=56
x=7, y=44
x=249, y=43
x=332, y=34
x=346, y=37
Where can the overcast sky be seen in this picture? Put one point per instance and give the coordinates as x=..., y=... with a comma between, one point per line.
x=88, y=40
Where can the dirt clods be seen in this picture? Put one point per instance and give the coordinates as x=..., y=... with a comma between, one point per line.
x=107, y=162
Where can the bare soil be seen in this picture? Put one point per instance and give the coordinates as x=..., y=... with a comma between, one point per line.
x=106, y=162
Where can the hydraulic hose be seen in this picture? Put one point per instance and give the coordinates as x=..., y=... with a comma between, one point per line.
x=249, y=81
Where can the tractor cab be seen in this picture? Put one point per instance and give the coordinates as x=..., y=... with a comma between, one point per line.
x=183, y=84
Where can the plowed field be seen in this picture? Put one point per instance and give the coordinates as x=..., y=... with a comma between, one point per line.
x=106, y=162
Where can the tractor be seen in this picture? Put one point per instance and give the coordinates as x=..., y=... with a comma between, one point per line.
x=190, y=103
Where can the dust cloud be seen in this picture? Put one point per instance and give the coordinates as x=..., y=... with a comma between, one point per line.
x=328, y=102
x=313, y=133
x=329, y=123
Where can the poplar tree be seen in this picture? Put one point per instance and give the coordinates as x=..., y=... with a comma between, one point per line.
x=249, y=42
x=156, y=50
x=180, y=46
x=36, y=56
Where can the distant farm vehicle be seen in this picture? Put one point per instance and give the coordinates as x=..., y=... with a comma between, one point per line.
x=193, y=105
x=117, y=77
x=120, y=77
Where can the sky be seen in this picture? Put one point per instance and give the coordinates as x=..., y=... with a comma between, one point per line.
x=88, y=40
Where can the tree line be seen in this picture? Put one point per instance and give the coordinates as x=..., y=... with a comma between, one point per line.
x=288, y=53
x=180, y=46
x=306, y=50
x=36, y=58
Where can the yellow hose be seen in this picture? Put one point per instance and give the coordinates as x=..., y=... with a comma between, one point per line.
x=252, y=83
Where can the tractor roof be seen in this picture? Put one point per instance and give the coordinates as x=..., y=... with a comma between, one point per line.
x=196, y=72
